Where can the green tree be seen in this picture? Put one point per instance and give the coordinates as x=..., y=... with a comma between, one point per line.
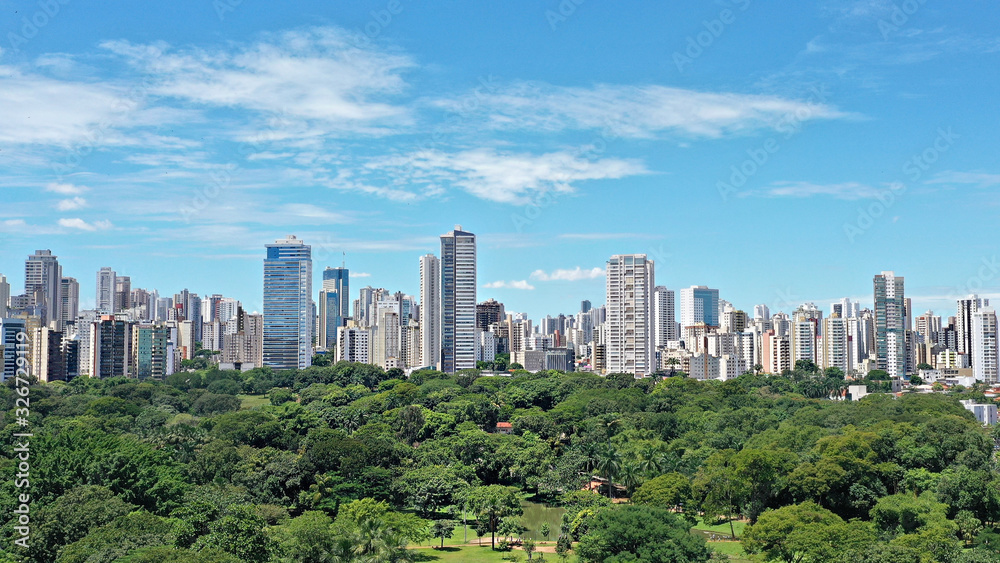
x=442, y=529
x=241, y=532
x=640, y=533
x=805, y=532
x=493, y=503
x=666, y=491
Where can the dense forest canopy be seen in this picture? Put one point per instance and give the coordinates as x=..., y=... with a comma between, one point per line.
x=348, y=462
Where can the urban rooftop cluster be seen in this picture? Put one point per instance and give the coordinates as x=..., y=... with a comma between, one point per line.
x=641, y=329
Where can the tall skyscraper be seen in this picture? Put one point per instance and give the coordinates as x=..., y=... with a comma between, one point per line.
x=985, y=357
x=123, y=293
x=585, y=306
x=458, y=300
x=288, y=304
x=890, y=324
x=4, y=296
x=430, y=311
x=664, y=316
x=489, y=312
x=699, y=304
x=334, y=305
x=105, y=298
x=69, y=294
x=630, y=345
x=963, y=322
x=42, y=278
x=761, y=313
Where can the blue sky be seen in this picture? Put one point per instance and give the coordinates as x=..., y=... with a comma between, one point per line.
x=781, y=151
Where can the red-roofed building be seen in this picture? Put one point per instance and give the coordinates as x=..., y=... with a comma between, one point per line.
x=505, y=428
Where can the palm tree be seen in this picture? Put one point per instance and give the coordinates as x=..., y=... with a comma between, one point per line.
x=608, y=464
x=649, y=461
x=377, y=543
x=629, y=475
x=673, y=362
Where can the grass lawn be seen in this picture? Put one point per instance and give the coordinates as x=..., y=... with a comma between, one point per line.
x=253, y=401
x=731, y=548
x=722, y=528
x=471, y=554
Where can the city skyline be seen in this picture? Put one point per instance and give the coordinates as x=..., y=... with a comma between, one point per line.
x=179, y=149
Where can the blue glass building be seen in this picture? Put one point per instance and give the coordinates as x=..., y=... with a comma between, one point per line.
x=288, y=304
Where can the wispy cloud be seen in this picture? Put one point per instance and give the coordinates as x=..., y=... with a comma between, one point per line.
x=70, y=204
x=503, y=177
x=846, y=190
x=77, y=223
x=644, y=111
x=978, y=179
x=360, y=275
x=576, y=274
x=314, y=74
x=605, y=236
x=65, y=189
x=520, y=284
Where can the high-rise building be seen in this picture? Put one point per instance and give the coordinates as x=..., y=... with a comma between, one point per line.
x=985, y=355
x=149, y=351
x=123, y=293
x=430, y=311
x=929, y=326
x=585, y=306
x=630, y=313
x=664, y=316
x=458, y=300
x=105, y=298
x=836, y=344
x=110, y=347
x=761, y=313
x=699, y=305
x=13, y=338
x=334, y=305
x=4, y=296
x=489, y=312
x=890, y=324
x=963, y=322
x=288, y=304
x=42, y=284
x=69, y=294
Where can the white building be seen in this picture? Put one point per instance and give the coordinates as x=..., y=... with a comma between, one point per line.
x=430, y=311
x=985, y=359
x=354, y=344
x=664, y=315
x=630, y=283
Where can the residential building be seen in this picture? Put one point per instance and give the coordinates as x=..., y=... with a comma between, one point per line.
x=630, y=345
x=430, y=311
x=458, y=300
x=890, y=319
x=288, y=304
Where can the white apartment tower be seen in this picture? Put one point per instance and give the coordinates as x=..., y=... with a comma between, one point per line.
x=630, y=282
x=430, y=311
x=985, y=358
x=664, y=315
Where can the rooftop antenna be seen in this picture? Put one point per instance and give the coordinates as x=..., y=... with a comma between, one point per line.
x=343, y=264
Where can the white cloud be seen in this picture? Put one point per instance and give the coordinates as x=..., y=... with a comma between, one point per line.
x=519, y=284
x=604, y=236
x=641, y=111
x=980, y=179
x=360, y=275
x=77, y=223
x=576, y=274
x=502, y=177
x=70, y=204
x=314, y=74
x=65, y=189
x=846, y=190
